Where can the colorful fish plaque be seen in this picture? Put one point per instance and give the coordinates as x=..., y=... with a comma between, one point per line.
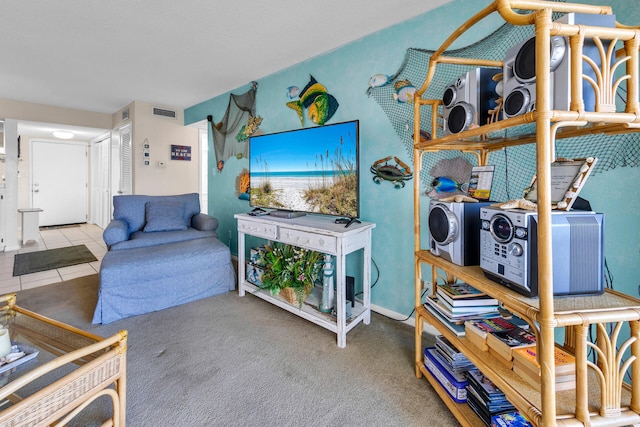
x=320, y=105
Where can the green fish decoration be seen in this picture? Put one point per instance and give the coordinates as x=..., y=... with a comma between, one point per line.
x=320, y=105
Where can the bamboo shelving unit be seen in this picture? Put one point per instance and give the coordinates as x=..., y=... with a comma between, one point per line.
x=601, y=397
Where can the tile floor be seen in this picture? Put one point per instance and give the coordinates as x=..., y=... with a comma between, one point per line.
x=87, y=234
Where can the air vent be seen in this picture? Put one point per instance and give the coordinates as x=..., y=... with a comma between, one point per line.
x=163, y=112
x=125, y=114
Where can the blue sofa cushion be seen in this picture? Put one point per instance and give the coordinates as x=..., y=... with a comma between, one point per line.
x=130, y=208
x=116, y=232
x=140, y=239
x=204, y=222
x=164, y=216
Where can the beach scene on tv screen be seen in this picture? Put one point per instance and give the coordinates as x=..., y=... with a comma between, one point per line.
x=309, y=170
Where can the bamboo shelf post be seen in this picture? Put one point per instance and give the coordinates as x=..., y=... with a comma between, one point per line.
x=601, y=396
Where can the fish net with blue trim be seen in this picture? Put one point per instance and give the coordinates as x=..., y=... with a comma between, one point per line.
x=514, y=166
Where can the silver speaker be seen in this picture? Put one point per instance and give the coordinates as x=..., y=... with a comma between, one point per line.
x=468, y=99
x=454, y=229
x=519, y=71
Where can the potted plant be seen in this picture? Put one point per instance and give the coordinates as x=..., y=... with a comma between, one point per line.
x=290, y=271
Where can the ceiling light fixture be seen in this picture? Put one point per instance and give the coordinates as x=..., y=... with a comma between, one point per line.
x=60, y=134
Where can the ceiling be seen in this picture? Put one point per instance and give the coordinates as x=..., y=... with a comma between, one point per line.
x=99, y=55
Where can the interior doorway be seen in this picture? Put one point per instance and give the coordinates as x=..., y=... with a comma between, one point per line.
x=59, y=181
x=100, y=196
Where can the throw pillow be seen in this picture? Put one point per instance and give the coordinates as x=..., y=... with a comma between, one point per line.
x=164, y=216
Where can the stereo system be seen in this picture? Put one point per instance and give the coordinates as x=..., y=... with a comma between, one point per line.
x=454, y=229
x=468, y=100
x=519, y=71
x=509, y=250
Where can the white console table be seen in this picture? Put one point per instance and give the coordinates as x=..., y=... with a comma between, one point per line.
x=319, y=234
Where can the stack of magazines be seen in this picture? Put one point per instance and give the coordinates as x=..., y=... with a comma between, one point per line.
x=451, y=358
x=484, y=398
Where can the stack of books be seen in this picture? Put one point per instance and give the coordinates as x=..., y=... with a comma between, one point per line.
x=456, y=303
x=525, y=364
x=478, y=330
x=484, y=398
x=503, y=344
x=464, y=298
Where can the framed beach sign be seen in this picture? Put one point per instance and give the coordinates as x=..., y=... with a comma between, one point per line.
x=180, y=152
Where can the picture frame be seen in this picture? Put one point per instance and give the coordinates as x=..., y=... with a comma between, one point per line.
x=568, y=176
x=480, y=182
x=181, y=152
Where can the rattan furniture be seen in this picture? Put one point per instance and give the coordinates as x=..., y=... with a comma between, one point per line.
x=72, y=369
x=591, y=324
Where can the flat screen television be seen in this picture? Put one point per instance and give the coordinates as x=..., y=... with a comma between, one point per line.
x=309, y=170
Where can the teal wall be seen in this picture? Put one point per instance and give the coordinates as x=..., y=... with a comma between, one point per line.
x=345, y=72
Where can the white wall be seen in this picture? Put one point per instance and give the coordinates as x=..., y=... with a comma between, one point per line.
x=177, y=176
x=11, y=180
x=28, y=111
x=2, y=156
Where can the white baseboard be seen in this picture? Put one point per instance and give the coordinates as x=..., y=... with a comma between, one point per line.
x=391, y=314
x=397, y=316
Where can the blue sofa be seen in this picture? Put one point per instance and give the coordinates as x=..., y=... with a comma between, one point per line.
x=162, y=252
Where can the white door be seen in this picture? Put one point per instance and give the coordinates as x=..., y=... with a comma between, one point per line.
x=100, y=191
x=59, y=182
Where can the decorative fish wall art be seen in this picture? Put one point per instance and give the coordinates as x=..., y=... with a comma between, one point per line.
x=377, y=80
x=404, y=91
x=320, y=105
x=450, y=178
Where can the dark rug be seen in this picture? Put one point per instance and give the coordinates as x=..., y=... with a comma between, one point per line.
x=32, y=262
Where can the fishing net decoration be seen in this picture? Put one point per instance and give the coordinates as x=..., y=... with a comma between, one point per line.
x=514, y=166
x=228, y=140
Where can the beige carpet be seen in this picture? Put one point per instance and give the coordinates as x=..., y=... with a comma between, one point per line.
x=231, y=361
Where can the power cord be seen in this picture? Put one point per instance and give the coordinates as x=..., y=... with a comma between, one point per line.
x=410, y=314
x=506, y=173
x=375, y=282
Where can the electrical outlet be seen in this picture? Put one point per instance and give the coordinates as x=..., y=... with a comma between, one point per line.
x=426, y=285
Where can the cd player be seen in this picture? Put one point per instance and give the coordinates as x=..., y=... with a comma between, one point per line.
x=509, y=250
